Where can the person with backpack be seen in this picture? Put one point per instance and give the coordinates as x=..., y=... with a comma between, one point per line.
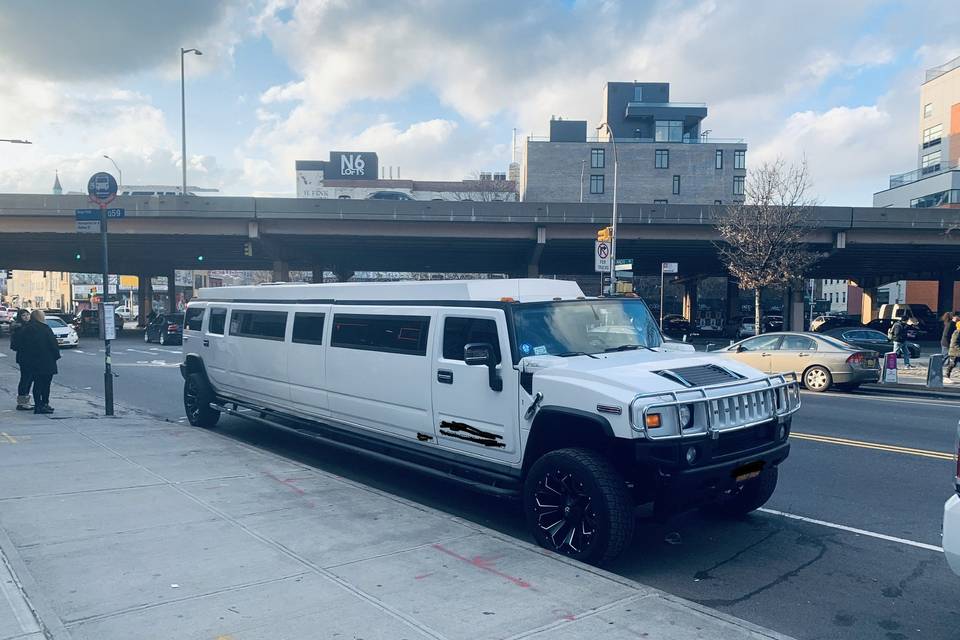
x=26, y=378
x=898, y=335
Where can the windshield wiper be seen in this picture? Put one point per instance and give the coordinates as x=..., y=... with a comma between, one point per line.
x=627, y=347
x=567, y=354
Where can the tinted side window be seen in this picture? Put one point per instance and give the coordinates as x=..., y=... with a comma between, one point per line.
x=267, y=325
x=458, y=332
x=308, y=328
x=218, y=318
x=393, y=334
x=195, y=318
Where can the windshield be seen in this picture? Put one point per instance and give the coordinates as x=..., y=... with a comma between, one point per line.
x=584, y=326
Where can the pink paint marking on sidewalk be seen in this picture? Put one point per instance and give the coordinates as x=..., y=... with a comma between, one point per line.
x=484, y=564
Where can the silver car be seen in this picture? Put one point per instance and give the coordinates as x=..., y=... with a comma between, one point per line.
x=820, y=362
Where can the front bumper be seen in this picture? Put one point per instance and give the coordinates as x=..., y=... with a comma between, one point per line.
x=951, y=532
x=68, y=341
x=665, y=477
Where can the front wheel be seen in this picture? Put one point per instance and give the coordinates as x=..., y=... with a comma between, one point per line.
x=196, y=402
x=817, y=379
x=749, y=496
x=578, y=504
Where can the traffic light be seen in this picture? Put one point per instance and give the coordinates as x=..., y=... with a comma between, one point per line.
x=199, y=258
x=80, y=255
x=605, y=234
x=248, y=249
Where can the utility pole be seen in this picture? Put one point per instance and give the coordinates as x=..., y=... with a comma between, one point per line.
x=183, y=115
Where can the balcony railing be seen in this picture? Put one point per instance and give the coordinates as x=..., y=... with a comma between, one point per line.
x=699, y=140
x=900, y=179
x=680, y=105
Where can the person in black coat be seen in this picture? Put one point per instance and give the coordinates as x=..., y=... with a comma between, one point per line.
x=26, y=379
x=38, y=351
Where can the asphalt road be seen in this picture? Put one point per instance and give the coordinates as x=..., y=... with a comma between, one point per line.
x=867, y=473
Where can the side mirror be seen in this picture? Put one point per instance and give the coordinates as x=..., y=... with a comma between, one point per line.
x=481, y=353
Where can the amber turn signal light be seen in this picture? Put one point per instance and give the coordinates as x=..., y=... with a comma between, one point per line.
x=652, y=420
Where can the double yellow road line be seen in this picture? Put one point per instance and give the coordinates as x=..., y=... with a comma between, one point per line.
x=939, y=455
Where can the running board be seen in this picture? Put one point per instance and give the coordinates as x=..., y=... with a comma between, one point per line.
x=375, y=455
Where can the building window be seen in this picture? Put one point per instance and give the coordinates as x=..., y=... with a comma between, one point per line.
x=740, y=159
x=930, y=162
x=738, y=185
x=659, y=202
x=939, y=199
x=676, y=185
x=662, y=160
x=596, y=184
x=668, y=131
x=928, y=110
x=932, y=135
x=718, y=164
x=308, y=328
x=391, y=334
x=597, y=159
x=718, y=202
x=266, y=325
x=637, y=93
x=459, y=332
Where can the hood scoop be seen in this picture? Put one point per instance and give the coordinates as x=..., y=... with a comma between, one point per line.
x=699, y=376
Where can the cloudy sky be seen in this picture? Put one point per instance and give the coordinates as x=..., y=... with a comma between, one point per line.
x=437, y=87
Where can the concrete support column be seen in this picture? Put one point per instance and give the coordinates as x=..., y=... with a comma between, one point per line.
x=793, y=313
x=145, y=299
x=316, y=276
x=690, y=300
x=533, y=264
x=172, y=291
x=733, y=298
x=281, y=271
x=945, y=292
x=343, y=274
x=868, y=304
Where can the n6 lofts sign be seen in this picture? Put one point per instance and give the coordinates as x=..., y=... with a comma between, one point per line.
x=352, y=165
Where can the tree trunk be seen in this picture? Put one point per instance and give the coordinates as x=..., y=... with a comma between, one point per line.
x=757, y=330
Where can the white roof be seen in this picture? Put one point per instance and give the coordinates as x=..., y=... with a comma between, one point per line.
x=521, y=290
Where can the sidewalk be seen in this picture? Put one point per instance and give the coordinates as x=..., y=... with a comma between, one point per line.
x=130, y=527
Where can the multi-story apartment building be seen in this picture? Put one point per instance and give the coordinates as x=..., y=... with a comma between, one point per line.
x=936, y=180
x=663, y=153
x=40, y=290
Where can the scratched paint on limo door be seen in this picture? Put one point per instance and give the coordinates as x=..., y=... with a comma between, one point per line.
x=463, y=431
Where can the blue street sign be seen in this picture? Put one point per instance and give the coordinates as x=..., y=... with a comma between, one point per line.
x=94, y=214
x=102, y=187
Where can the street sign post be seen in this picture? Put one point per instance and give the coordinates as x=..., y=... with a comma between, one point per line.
x=102, y=189
x=665, y=268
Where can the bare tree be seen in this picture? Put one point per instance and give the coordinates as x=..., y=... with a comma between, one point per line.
x=486, y=190
x=762, y=238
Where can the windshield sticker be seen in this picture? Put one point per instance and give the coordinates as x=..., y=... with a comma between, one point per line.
x=540, y=351
x=526, y=348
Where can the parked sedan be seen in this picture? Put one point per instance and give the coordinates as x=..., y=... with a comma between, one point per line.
x=676, y=326
x=820, y=362
x=65, y=334
x=866, y=338
x=166, y=328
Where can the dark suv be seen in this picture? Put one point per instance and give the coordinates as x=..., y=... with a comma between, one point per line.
x=89, y=323
x=166, y=328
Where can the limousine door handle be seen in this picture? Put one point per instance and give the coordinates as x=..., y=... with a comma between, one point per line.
x=445, y=376
x=206, y=342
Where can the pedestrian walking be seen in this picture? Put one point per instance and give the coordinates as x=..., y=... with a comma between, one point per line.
x=38, y=352
x=26, y=378
x=949, y=320
x=898, y=334
x=953, y=354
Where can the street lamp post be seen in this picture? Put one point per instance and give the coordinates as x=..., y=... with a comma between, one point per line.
x=183, y=115
x=119, y=173
x=613, y=229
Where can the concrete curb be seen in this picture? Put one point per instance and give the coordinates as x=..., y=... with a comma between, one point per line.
x=50, y=624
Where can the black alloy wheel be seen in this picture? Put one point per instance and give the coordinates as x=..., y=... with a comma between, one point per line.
x=196, y=402
x=578, y=505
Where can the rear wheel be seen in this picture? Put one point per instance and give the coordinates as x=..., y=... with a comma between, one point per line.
x=749, y=496
x=817, y=379
x=197, y=397
x=578, y=504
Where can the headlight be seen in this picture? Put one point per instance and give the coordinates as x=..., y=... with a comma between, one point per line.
x=685, y=413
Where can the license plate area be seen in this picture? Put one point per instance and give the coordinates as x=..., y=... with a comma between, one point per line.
x=748, y=471
x=871, y=363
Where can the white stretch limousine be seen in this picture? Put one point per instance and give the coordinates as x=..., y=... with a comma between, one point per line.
x=519, y=387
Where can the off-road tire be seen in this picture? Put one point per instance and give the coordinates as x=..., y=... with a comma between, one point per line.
x=598, y=500
x=197, y=397
x=748, y=497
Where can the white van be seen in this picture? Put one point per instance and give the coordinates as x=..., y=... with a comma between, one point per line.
x=517, y=387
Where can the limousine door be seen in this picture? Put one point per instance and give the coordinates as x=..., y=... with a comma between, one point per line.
x=469, y=416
